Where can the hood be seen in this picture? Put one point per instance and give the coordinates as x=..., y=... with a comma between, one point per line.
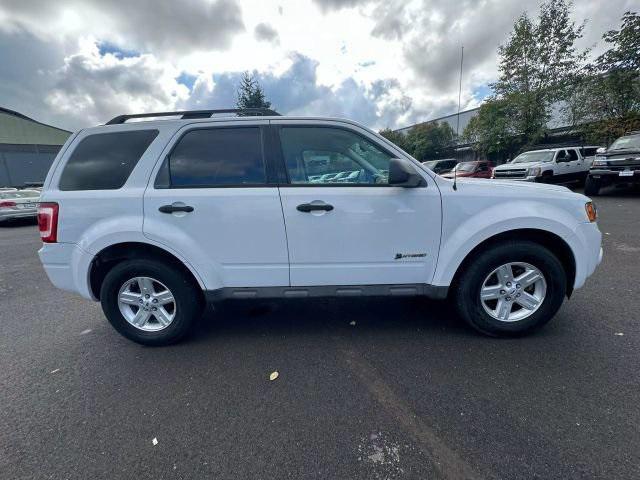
x=518, y=188
x=459, y=174
x=623, y=154
x=509, y=166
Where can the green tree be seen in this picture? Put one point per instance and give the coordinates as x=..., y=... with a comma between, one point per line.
x=537, y=64
x=396, y=138
x=605, y=101
x=432, y=140
x=250, y=93
x=491, y=131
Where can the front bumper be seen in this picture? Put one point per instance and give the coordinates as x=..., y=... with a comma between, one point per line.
x=612, y=176
x=590, y=254
x=67, y=267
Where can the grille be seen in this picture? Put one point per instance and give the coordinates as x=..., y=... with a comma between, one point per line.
x=514, y=173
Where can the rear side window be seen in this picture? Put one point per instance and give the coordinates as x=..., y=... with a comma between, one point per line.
x=215, y=157
x=104, y=161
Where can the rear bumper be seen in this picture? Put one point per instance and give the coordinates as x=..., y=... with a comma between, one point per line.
x=67, y=267
x=23, y=213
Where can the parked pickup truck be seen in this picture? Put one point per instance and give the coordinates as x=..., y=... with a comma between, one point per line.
x=620, y=163
x=156, y=219
x=553, y=165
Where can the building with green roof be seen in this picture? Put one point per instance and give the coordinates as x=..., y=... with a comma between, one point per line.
x=27, y=148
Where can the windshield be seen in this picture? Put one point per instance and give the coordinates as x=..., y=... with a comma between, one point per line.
x=539, y=156
x=625, y=143
x=430, y=164
x=465, y=167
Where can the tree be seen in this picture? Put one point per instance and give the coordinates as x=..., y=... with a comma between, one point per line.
x=491, y=131
x=605, y=101
x=250, y=93
x=432, y=140
x=396, y=138
x=537, y=64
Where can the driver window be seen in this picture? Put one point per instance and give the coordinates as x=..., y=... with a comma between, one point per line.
x=561, y=156
x=572, y=155
x=325, y=155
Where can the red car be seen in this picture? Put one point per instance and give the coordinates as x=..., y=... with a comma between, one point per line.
x=477, y=169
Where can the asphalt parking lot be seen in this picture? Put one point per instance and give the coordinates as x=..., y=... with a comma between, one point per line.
x=405, y=392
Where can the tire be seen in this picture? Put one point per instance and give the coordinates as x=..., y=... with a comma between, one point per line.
x=592, y=187
x=179, y=315
x=468, y=286
x=547, y=177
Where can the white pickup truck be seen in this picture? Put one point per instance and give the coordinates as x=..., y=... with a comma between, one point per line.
x=553, y=165
x=157, y=218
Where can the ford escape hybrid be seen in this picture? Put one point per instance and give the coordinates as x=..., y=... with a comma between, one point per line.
x=157, y=218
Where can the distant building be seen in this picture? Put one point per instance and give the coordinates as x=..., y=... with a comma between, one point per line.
x=452, y=120
x=27, y=148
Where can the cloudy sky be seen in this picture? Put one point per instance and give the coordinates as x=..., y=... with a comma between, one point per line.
x=386, y=63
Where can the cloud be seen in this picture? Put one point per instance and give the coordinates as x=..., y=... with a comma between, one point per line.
x=91, y=87
x=391, y=20
x=265, y=32
x=327, y=5
x=143, y=25
x=297, y=92
x=383, y=62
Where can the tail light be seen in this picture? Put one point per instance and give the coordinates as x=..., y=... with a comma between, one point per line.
x=48, y=222
x=7, y=204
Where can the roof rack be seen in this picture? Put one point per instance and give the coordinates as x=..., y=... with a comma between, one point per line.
x=191, y=114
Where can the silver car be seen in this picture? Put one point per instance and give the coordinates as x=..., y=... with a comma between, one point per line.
x=19, y=204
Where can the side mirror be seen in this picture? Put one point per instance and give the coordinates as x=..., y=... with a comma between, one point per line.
x=402, y=174
x=601, y=150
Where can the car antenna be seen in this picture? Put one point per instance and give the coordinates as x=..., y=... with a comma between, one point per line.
x=455, y=168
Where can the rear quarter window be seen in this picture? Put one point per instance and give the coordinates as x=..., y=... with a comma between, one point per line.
x=104, y=161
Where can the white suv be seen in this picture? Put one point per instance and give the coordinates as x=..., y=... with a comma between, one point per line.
x=157, y=218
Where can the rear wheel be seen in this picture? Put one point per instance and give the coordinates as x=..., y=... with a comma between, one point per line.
x=592, y=186
x=149, y=302
x=511, y=289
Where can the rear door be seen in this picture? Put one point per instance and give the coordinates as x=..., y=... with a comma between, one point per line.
x=214, y=200
x=356, y=230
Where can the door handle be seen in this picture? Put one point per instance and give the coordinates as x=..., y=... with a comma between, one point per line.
x=310, y=207
x=175, y=208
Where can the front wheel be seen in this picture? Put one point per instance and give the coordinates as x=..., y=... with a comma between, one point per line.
x=149, y=302
x=511, y=289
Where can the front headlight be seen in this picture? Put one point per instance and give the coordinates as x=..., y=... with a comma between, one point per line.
x=599, y=162
x=534, y=172
x=592, y=213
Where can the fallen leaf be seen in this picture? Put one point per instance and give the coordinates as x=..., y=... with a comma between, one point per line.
x=84, y=332
x=352, y=323
x=619, y=334
x=154, y=441
x=56, y=370
x=273, y=376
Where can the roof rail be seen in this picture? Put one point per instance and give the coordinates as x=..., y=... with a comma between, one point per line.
x=191, y=114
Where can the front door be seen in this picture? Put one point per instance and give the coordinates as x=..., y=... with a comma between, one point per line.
x=212, y=200
x=345, y=224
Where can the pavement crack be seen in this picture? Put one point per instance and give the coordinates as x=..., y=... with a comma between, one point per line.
x=445, y=460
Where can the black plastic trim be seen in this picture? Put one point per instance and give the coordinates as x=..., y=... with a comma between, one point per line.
x=330, y=291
